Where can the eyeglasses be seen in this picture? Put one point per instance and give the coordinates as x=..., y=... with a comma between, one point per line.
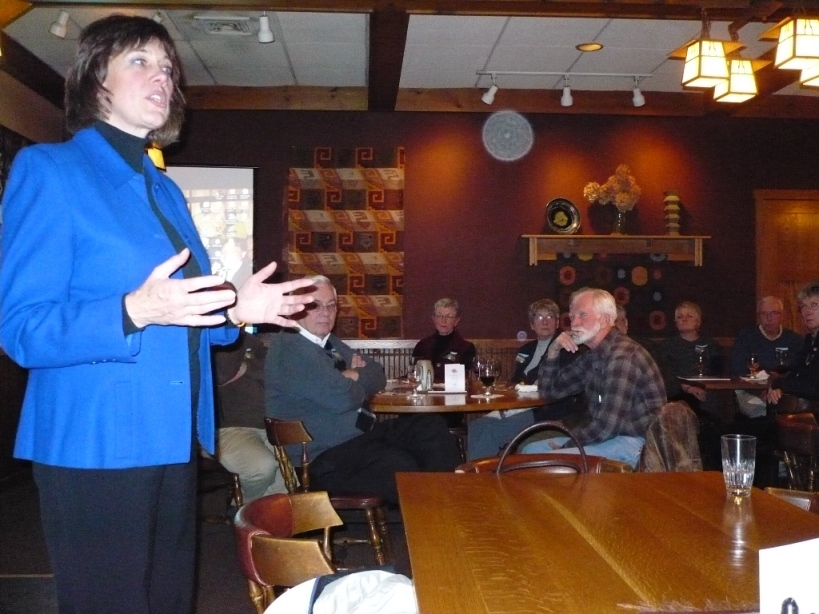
x=812, y=306
x=769, y=314
x=541, y=318
x=443, y=316
x=329, y=307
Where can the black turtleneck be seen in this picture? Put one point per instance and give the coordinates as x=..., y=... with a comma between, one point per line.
x=132, y=150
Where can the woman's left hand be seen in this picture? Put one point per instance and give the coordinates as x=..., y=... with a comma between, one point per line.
x=261, y=303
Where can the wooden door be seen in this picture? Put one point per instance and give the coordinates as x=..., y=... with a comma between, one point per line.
x=787, y=246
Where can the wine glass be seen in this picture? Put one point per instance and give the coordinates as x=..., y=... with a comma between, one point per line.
x=753, y=365
x=488, y=372
x=414, y=375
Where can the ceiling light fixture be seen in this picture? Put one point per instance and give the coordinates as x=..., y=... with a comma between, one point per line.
x=637, y=98
x=566, y=99
x=265, y=33
x=740, y=85
x=60, y=27
x=157, y=17
x=798, y=46
x=810, y=76
x=155, y=154
x=705, y=63
x=589, y=47
x=489, y=95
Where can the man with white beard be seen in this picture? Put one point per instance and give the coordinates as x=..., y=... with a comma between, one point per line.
x=621, y=381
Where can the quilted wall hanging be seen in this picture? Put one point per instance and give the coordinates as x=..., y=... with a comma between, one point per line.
x=345, y=220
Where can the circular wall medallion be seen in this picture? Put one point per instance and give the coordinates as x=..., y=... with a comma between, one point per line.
x=507, y=135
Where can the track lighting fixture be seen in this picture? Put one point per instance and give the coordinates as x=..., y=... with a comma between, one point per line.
x=637, y=98
x=489, y=95
x=566, y=99
x=157, y=17
x=60, y=27
x=265, y=33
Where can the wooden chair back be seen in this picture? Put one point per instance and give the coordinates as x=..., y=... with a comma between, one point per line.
x=270, y=555
x=283, y=433
x=565, y=463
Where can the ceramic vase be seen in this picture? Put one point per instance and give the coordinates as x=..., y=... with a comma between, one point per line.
x=672, y=212
x=619, y=227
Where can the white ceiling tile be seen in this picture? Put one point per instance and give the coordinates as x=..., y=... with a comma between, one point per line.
x=323, y=27
x=451, y=30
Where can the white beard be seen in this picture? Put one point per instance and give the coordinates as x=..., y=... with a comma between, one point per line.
x=583, y=335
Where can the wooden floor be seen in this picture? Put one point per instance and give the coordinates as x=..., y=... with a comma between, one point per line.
x=25, y=574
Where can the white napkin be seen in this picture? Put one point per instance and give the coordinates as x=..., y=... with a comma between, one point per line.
x=526, y=387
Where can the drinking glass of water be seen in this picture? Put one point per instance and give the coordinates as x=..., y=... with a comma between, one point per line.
x=738, y=461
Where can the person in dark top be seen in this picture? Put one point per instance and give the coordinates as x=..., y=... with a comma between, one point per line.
x=446, y=346
x=242, y=446
x=803, y=379
x=106, y=297
x=679, y=356
x=765, y=341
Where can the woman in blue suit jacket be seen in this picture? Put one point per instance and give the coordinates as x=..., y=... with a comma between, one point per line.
x=107, y=299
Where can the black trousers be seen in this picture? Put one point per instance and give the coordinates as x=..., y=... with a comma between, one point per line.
x=121, y=541
x=367, y=464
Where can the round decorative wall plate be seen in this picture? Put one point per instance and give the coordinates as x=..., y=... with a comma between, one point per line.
x=562, y=216
x=507, y=135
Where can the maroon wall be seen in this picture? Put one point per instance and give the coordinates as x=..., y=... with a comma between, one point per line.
x=465, y=211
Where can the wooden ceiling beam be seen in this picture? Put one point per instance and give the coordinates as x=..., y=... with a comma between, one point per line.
x=31, y=71
x=388, y=37
x=718, y=10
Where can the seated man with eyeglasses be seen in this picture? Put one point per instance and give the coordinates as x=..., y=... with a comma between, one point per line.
x=803, y=379
x=446, y=346
x=313, y=376
x=767, y=341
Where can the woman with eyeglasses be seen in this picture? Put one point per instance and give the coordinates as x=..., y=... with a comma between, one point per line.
x=446, y=346
x=488, y=434
x=803, y=380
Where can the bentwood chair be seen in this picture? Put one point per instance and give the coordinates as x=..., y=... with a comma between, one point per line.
x=271, y=556
x=556, y=462
x=282, y=433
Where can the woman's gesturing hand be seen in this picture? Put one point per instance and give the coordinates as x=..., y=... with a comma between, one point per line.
x=258, y=302
x=181, y=302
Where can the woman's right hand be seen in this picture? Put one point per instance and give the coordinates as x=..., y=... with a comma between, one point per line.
x=180, y=302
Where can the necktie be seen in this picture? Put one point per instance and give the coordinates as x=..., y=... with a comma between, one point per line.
x=338, y=359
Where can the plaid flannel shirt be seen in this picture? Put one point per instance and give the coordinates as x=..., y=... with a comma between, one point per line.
x=622, y=384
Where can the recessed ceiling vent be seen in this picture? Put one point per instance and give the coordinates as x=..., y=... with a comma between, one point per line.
x=224, y=25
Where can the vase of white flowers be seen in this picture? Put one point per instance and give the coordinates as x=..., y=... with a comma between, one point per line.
x=621, y=190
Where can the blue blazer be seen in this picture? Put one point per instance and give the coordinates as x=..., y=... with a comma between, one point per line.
x=79, y=234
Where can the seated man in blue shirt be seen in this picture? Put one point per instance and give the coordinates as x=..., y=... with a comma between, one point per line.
x=765, y=340
x=621, y=381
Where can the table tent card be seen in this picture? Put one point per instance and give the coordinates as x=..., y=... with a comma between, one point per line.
x=789, y=572
x=454, y=378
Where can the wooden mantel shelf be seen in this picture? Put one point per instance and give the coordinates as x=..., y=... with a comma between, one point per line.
x=677, y=248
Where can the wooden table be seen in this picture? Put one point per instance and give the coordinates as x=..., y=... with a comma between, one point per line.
x=398, y=401
x=726, y=383
x=730, y=384
x=595, y=543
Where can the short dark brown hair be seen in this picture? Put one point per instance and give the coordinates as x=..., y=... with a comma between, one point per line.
x=86, y=99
